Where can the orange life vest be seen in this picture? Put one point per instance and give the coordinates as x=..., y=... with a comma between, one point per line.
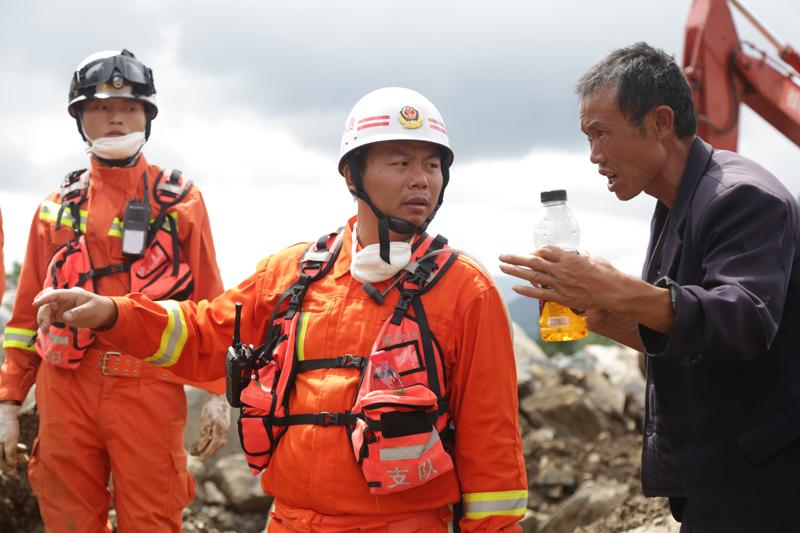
x=401, y=409
x=158, y=273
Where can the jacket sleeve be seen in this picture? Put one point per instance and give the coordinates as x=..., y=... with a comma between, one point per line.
x=198, y=249
x=746, y=244
x=188, y=338
x=488, y=445
x=18, y=372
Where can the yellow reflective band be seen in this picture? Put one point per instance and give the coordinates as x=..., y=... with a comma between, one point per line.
x=117, y=225
x=116, y=228
x=173, y=338
x=48, y=211
x=504, y=503
x=19, y=338
x=301, y=336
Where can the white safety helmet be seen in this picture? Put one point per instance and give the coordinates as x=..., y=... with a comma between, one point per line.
x=393, y=114
x=112, y=74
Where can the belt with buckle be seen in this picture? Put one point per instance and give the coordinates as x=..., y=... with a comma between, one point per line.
x=116, y=364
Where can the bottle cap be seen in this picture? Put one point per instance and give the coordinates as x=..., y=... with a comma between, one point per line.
x=559, y=195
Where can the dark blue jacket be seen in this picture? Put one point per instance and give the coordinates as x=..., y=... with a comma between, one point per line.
x=722, y=421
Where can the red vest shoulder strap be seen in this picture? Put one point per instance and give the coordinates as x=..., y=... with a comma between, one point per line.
x=171, y=187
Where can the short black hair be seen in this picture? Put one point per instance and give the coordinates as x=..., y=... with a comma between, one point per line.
x=644, y=77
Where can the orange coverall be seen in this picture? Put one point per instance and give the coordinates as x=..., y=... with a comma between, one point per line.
x=129, y=423
x=313, y=474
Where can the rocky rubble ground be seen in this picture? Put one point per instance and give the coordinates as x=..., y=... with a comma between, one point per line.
x=580, y=418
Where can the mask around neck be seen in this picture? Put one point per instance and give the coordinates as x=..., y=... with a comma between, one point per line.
x=367, y=266
x=118, y=147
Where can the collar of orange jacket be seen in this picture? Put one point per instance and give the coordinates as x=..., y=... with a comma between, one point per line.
x=123, y=178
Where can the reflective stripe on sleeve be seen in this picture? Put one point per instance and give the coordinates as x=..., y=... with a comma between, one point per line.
x=19, y=338
x=48, y=211
x=116, y=228
x=173, y=338
x=482, y=504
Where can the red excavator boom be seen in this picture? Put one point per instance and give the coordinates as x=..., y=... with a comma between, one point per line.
x=725, y=71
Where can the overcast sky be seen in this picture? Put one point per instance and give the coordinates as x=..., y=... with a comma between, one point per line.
x=253, y=96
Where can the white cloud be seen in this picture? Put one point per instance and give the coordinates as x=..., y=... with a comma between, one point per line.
x=491, y=206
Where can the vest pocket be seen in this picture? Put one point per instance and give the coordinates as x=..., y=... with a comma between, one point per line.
x=395, y=440
x=257, y=434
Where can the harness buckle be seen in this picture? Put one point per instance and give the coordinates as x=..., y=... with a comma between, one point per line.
x=104, y=362
x=352, y=361
x=327, y=418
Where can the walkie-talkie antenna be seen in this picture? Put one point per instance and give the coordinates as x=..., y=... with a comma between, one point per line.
x=237, y=324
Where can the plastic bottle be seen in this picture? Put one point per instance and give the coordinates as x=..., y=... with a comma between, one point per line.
x=557, y=226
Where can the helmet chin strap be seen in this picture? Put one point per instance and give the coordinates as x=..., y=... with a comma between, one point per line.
x=386, y=223
x=127, y=162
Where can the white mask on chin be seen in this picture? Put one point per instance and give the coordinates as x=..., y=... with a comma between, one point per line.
x=367, y=265
x=118, y=147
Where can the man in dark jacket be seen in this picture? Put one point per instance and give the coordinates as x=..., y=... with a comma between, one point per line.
x=717, y=311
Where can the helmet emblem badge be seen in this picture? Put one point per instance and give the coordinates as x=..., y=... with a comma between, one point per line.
x=410, y=118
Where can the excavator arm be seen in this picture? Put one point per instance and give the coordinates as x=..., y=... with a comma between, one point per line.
x=725, y=72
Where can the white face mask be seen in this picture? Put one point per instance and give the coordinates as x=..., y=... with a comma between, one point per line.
x=118, y=147
x=367, y=265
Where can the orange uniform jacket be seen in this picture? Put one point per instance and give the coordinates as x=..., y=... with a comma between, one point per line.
x=101, y=216
x=314, y=466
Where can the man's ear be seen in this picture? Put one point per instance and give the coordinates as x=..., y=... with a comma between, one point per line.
x=664, y=118
x=348, y=179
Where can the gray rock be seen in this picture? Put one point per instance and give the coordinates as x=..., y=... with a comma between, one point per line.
x=665, y=524
x=608, y=397
x=212, y=495
x=526, y=354
x=241, y=488
x=555, y=481
x=565, y=408
x=592, y=501
x=196, y=467
x=530, y=522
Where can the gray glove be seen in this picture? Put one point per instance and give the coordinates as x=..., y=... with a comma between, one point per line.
x=9, y=438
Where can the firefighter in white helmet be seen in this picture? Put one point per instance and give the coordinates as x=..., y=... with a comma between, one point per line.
x=121, y=225
x=380, y=388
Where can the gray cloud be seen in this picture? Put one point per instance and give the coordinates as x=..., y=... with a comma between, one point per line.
x=502, y=73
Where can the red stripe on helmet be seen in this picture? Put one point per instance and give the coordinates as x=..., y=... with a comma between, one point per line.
x=378, y=117
x=371, y=125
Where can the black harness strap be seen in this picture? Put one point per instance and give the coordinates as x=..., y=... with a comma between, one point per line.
x=343, y=361
x=318, y=419
x=419, y=279
x=107, y=270
x=427, y=346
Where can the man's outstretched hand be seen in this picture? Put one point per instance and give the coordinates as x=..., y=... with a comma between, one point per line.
x=74, y=307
